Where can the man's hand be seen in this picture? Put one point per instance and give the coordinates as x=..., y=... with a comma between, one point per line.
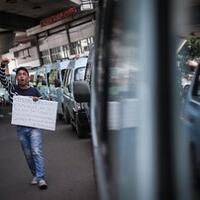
x=4, y=63
x=35, y=98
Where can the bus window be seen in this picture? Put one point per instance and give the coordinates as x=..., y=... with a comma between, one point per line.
x=137, y=132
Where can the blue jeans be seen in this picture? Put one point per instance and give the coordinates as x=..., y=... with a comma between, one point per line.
x=31, y=143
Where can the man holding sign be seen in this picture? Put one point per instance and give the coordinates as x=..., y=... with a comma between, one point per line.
x=29, y=137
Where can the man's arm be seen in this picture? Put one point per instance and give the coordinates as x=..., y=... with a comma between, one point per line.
x=3, y=79
x=7, y=84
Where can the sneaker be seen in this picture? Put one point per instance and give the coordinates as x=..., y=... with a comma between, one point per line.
x=34, y=181
x=42, y=184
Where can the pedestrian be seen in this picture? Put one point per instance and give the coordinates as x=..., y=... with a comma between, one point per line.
x=30, y=138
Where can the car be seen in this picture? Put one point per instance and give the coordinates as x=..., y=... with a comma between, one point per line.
x=191, y=119
x=4, y=97
x=82, y=89
x=74, y=112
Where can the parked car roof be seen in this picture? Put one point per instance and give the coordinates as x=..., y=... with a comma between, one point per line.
x=81, y=62
x=64, y=64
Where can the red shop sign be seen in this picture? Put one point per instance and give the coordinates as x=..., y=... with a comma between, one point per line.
x=57, y=17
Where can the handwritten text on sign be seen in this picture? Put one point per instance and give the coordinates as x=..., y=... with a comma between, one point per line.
x=39, y=114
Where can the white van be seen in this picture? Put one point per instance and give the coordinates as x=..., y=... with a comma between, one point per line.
x=73, y=111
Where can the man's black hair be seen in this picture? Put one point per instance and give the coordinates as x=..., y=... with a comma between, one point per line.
x=22, y=68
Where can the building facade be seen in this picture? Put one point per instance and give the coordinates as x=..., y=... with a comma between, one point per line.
x=62, y=36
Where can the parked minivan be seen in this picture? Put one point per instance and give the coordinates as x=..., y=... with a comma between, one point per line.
x=82, y=89
x=74, y=112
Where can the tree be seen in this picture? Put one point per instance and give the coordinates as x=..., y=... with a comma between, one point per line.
x=190, y=51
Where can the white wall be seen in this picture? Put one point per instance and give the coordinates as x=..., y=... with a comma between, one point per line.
x=12, y=62
x=60, y=39
x=82, y=32
x=52, y=41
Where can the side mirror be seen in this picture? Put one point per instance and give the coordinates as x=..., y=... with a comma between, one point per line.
x=81, y=91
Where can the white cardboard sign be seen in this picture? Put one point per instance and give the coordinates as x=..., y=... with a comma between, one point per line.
x=40, y=114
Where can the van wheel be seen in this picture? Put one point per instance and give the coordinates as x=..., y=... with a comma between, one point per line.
x=66, y=116
x=194, y=168
x=80, y=130
x=60, y=116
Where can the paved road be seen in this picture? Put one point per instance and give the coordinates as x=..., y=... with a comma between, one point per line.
x=68, y=166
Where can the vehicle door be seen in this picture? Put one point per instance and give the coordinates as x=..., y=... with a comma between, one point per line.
x=192, y=112
x=66, y=88
x=88, y=77
x=77, y=75
x=62, y=68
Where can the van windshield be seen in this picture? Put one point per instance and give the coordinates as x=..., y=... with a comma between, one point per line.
x=79, y=74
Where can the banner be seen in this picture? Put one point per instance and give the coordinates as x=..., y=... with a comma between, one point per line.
x=40, y=114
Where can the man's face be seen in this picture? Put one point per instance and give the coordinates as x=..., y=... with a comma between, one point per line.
x=22, y=77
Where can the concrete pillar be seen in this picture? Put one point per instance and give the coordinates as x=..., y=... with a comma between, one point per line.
x=38, y=51
x=6, y=41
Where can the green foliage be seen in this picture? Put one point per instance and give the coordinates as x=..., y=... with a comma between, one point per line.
x=190, y=51
x=193, y=46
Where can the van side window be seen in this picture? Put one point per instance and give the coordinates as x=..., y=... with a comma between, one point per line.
x=65, y=77
x=198, y=85
x=88, y=72
x=62, y=73
x=53, y=75
x=79, y=74
x=196, y=89
x=68, y=79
